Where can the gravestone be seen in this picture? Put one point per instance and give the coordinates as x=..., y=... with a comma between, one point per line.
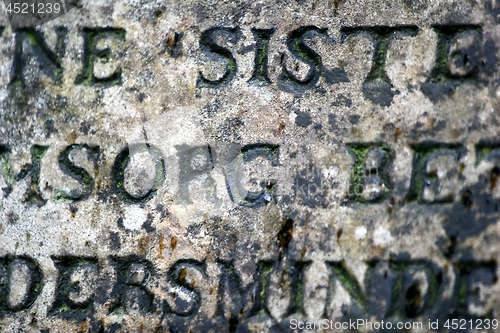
x=250, y=166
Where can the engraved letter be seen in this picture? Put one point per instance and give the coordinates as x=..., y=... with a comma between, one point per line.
x=234, y=299
x=33, y=195
x=299, y=49
x=49, y=61
x=6, y=168
x=260, y=76
x=459, y=59
x=351, y=285
x=414, y=289
x=119, y=171
x=435, y=172
x=177, y=276
x=195, y=163
x=92, y=53
x=216, y=52
x=76, y=287
x=78, y=173
x=377, y=86
x=370, y=177
x=132, y=275
x=20, y=283
x=489, y=154
x=473, y=289
x=296, y=274
x=234, y=175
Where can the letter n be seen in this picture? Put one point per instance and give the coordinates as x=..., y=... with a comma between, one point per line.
x=339, y=272
x=49, y=60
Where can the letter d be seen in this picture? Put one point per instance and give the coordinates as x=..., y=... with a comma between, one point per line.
x=18, y=273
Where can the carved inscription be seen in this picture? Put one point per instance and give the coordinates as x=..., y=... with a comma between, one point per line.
x=455, y=63
x=195, y=163
x=76, y=287
x=370, y=179
x=435, y=177
x=20, y=283
x=296, y=45
x=401, y=289
x=130, y=289
x=121, y=162
x=78, y=173
x=233, y=175
x=92, y=53
x=464, y=56
x=217, y=52
x=260, y=75
x=166, y=255
x=50, y=61
x=435, y=173
x=377, y=86
x=32, y=195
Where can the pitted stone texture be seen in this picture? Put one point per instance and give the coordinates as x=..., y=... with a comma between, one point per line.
x=357, y=178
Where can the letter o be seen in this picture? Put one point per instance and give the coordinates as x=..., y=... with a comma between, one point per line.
x=121, y=162
x=357, y=190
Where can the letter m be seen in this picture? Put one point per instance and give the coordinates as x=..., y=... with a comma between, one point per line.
x=234, y=299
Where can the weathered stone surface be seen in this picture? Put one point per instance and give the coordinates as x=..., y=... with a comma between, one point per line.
x=213, y=166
